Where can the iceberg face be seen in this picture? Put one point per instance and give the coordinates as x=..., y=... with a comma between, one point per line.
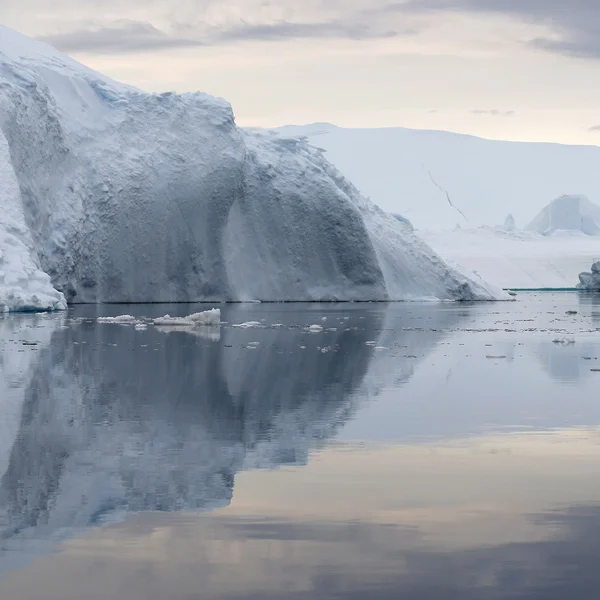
x=133, y=197
x=23, y=285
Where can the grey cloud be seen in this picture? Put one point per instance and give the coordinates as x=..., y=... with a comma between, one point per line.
x=126, y=37
x=493, y=112
x=289, y=30
x=576, y=22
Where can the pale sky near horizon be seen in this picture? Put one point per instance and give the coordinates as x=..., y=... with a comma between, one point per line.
x=505, y=69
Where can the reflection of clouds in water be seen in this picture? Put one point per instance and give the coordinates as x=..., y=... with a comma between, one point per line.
x=491, y=517
x=118, y=420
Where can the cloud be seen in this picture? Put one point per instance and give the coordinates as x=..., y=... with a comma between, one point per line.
x=132, y=36
x=493, y=112
x=575, y=22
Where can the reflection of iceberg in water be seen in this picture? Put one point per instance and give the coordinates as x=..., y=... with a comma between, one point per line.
x=117, y=421
x=567, y=363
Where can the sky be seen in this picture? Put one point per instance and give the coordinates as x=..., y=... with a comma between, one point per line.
x=503, y=69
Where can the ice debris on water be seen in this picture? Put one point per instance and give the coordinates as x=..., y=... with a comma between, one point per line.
x=206, y=318
x=121, y=320
x=315, y=328
x=248, y=325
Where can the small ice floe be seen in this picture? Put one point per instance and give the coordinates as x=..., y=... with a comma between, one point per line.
x=371, y=343
x=211, y=318
x=254, y=344
x=324, y=319
x=120, y=320
x=248, y=325
x=141, y=326
x=563, y=341
x=315, y=328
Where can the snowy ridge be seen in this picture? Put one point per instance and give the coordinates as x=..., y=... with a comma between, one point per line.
x=134, y=197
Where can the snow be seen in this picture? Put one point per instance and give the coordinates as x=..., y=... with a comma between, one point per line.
x=125, y=196
x=409, y=172
x=568, y=213
x=210, y=318
x=518, y=259
x=590, y=280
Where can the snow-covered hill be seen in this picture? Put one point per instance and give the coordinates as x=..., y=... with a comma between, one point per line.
x=434, y=178
x=136, y=197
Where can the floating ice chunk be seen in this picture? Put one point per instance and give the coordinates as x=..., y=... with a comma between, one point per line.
x=315, y=328
x=206, y=318
x=248, y=325
x=120, y=320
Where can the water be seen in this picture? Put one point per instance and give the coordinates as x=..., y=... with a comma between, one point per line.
x=417, y=451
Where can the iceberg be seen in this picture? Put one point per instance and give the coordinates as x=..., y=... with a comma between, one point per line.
x=116, y=195
x=590, y=281
x=568, y=214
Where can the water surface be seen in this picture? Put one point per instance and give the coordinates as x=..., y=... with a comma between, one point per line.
x=407, y=450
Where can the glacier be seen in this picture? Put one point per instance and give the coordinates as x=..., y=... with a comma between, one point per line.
x=116, y=195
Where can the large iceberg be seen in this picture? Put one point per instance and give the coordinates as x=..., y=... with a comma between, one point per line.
x=116, y=195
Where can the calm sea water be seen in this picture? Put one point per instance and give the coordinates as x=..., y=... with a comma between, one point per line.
x=416, y=451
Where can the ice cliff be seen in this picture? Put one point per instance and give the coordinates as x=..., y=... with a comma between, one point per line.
x=110, y=194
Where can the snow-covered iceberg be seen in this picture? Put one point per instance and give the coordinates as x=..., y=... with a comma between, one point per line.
x=590, y=281
x=123, y=196
x=568, y=214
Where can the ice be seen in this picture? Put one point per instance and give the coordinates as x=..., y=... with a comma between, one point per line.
x=568, y=214
x=413, y=173
x=209, y=318
x=134, y=197
x=519, y=259
x=590, y=281
x=315, y=328
x=248, y=325
x=121, y=319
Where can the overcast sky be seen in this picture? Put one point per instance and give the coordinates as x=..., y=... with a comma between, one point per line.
x=505, y=69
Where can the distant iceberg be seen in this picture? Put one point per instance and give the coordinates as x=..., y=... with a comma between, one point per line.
x=116, y=195
x=568, y=214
